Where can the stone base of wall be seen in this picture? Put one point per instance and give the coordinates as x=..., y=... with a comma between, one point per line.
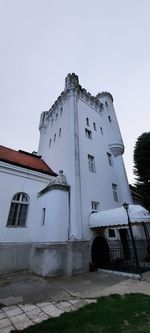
x=14, y=257
x=55, y=259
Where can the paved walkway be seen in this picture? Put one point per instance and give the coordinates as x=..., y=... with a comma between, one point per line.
x=21, y=316
x=29, y=299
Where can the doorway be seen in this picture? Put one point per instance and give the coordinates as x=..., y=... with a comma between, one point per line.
x=100, y=253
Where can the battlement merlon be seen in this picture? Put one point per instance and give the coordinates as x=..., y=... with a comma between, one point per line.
x=71, y=81
x=43, y=120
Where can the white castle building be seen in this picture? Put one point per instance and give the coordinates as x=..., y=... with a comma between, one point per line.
x=59, y=222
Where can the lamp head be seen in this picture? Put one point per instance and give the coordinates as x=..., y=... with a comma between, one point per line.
x=125, y=205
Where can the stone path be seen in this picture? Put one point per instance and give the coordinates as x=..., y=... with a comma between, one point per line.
x=21, y=316
x=26, y=306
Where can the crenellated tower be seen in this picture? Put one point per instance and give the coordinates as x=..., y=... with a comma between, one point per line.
x=80, y=135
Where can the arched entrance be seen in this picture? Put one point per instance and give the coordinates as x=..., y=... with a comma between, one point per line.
x=100, y=253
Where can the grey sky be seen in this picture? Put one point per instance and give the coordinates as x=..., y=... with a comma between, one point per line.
x=105, y=42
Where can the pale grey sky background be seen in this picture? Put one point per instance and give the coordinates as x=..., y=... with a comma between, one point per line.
x=105, y=42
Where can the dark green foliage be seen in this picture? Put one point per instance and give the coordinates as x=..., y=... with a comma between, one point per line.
x=112, y=314
x=142, y=158
x=142, y=167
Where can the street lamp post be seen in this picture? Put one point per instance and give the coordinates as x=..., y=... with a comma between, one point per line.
x=126, y=207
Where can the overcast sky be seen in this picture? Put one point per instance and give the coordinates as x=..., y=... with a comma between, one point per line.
x=105, y=42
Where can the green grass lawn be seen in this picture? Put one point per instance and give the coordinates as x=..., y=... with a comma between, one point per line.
x=112, y=314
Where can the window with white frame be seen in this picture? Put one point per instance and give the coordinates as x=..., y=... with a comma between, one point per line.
x=88, y=133
x=91, y=163
x=109, y=157
x=87, y=122
x=95, y=206
x=115, y=194
x=18, y=210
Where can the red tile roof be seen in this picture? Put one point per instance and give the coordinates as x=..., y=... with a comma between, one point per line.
x=25, y=160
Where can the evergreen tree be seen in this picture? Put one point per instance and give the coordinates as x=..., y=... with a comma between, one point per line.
x=142, y=167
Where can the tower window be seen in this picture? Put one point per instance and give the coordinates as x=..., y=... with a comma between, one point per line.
x=94, y=126
x=56, y=116
x=101, y=129
x=52, y=122
x=115, y=194
x=87, y=122
x=109, y=118
x=88, y=133
x=54, y=137
x=18, y=210
x=91, y=163
x=109, y=156
x=61, y=111
x=95, y=206
x=50, y=142
x=59, y=132
x=106, y=103
x=101, y=106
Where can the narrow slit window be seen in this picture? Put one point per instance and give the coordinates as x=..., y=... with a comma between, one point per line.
x=101, y=106
x=115, y=194
x=87, y=122
x=59, y=132
x=43, y=215
x=50, y=142
x=109, y=157
x=101, y=130
x=94, y=126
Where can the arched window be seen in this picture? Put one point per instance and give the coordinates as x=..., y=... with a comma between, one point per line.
x=18, y=210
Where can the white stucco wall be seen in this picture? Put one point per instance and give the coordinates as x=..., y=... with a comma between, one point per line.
x=56, y=225
x=14, y=179
x=62, y=154
x=98, y=186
